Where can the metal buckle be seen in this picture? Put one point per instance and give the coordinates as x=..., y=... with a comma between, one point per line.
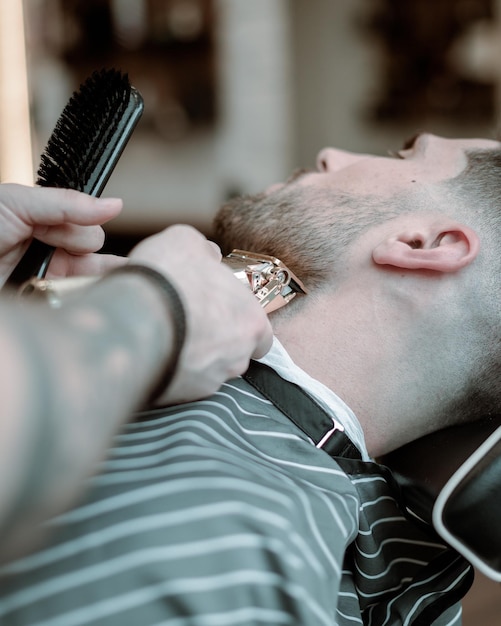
x=336, y=427
x=270, y=280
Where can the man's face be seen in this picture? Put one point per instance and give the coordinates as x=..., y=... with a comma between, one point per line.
x=423, y=160
x=311, y=220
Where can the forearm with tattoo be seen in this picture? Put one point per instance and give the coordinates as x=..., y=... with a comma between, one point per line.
x=82, y=371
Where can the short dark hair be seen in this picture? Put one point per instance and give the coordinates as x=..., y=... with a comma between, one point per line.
x=477, y=193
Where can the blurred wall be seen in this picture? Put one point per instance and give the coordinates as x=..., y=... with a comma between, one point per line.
x=186, y=175
x=343, y=51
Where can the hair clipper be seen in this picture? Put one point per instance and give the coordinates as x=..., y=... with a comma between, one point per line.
x=273, y=284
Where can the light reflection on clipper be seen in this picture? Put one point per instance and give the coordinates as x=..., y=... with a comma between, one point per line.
x=272, y=282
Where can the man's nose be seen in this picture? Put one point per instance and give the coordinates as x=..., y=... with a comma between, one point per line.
x=333, y=159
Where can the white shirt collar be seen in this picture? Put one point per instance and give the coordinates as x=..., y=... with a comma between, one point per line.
x=281, y=362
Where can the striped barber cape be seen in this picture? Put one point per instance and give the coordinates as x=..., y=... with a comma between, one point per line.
x=222, y=512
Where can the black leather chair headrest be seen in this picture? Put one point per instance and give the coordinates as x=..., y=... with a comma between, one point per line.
x=452, y=479
x=467, y=512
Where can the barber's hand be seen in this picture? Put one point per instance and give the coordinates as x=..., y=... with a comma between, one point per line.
x=226, y=326
x=63, y=218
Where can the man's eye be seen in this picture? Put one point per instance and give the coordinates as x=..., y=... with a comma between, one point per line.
x=409, y=143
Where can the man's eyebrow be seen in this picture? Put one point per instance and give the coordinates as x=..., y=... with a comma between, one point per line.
x=485, y=150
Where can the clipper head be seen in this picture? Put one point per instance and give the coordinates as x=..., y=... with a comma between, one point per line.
x=270, y=280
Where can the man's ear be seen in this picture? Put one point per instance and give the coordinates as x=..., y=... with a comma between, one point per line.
x=440, y=246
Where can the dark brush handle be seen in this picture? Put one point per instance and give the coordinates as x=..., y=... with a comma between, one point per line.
x=36, y=259
x=33, y=263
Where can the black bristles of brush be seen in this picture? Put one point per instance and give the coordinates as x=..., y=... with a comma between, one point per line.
x=86, y=144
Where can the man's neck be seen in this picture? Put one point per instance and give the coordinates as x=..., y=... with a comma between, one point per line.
x=343, y=348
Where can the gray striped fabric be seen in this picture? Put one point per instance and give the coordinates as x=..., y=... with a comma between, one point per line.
x=220, y=513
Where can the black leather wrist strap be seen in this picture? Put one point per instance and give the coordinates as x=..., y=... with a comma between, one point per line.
x=302, y=410
x=177, y=316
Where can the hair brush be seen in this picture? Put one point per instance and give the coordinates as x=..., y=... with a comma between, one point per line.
x=85, y=145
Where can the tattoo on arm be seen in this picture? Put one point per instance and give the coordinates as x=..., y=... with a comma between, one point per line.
x=86, y=367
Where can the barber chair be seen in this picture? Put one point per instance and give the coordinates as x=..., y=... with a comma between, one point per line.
x=452, y=479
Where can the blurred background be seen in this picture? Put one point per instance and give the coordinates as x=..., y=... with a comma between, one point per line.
x=240, y=92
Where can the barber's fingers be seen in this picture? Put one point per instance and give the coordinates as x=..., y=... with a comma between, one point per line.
x=74, y=239
x=64, y=264
x=264, y=339
x=215, y=250
x=189, y=239
x=69, y=206
x=256, y=329
x=175, y=249
x=50, y=206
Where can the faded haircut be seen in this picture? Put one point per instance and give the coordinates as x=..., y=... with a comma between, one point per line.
x=476, y=194
x=479, y=184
